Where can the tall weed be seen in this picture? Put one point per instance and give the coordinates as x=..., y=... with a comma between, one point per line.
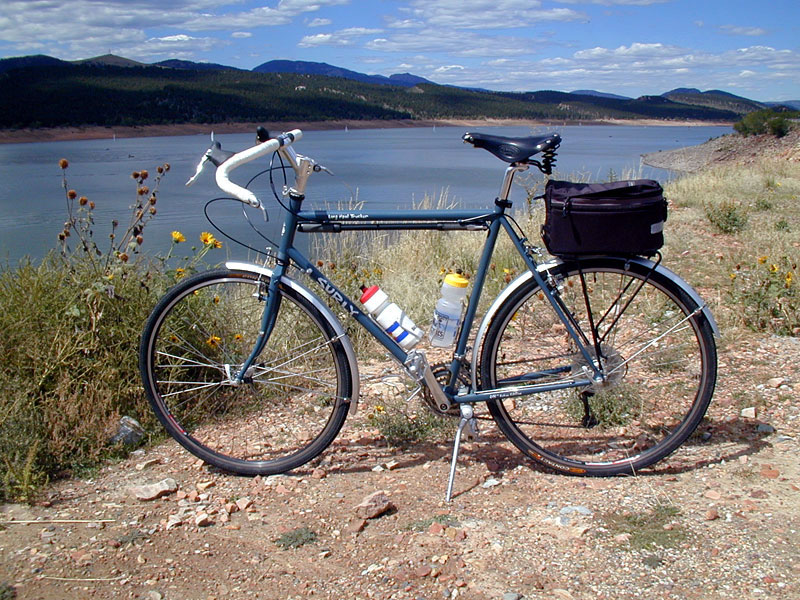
x=70, y=332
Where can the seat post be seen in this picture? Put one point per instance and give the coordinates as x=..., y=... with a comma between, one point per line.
x=505, y=188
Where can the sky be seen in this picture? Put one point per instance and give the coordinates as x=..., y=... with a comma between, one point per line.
x=626, y=47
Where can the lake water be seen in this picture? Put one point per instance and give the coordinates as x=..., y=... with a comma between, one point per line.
x=383, y=168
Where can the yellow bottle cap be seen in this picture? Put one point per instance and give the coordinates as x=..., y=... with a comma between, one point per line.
x=456, y=280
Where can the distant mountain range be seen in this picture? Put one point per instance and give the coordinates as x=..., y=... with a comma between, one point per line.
x=42, y=91
x=317, y=68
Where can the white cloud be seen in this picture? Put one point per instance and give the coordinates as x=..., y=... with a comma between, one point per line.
x=446, y=68
x=488, y=14
x=343, y=37
x=452, y=42
x=319, y=22
x=403, y=23
x=82, y=28
x=737, y=30
x=241, y=35
x=175, y=46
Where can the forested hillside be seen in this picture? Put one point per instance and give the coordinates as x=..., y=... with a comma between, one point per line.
x=93, y=93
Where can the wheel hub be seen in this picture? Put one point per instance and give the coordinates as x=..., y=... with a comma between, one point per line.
x=611, y=364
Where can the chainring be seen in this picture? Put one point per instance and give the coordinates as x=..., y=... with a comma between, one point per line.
x=441, y=371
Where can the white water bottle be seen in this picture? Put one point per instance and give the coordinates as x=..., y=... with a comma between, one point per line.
x=391, y=317
x=447, y=315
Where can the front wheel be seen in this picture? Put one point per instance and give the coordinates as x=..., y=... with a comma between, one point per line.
x=652, y=341
x=293, y=399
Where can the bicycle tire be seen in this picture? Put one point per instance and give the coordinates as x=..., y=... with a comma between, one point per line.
x=656, y=344
x=290, y=406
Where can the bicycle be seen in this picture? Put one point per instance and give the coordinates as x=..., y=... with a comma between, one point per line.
x=590, y=365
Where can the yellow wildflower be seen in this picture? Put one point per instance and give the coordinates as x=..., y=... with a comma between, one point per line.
x=789, y=277
x=214, y=341
x=773, y=268
x=177, y=237
x=207, y=238
x=762, y=259
x=733, y=276
x=180, y=273
x=217, y=243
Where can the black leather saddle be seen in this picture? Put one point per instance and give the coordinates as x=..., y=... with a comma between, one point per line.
x=514, y=149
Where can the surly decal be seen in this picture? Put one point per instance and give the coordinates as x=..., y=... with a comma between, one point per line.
x=336, y=295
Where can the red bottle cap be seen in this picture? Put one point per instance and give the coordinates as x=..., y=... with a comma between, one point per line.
x=368, y=293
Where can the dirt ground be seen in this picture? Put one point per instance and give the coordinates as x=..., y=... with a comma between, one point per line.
x=726, y=149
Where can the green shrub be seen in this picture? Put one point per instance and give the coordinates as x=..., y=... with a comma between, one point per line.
x=727, y=216
x=766, y=296
x=296, y=538
x=766, y=121
x=71, y=327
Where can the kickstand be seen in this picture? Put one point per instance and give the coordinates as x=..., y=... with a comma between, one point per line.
x=468, y=421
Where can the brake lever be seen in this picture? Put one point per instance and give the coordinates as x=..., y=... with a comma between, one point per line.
x=200, y=166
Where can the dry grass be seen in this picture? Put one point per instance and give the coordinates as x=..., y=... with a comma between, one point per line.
x=748, y=273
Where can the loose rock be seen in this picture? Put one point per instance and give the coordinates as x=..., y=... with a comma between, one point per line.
x=374, y=505
x=153, y=490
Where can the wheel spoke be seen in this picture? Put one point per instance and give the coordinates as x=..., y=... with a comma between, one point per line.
x=653, y=346
x=291, y=402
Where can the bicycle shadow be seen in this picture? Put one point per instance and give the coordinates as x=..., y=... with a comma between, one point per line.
x=714, y=442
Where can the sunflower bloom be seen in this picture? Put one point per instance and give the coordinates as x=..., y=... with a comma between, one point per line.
x=177, y=237
x=214, y=341
x=207, y=238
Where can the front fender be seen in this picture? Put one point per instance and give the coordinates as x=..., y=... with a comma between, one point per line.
x=326, y=313
x=543, y=267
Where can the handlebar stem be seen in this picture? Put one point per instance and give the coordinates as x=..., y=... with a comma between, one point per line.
x=303, y=167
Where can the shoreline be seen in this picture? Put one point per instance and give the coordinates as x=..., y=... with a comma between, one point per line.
x=61, y=134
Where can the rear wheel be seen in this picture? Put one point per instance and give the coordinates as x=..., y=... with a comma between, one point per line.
x=657, y=353
x=293, y=400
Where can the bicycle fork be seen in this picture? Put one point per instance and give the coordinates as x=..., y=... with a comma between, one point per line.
x=268, y=319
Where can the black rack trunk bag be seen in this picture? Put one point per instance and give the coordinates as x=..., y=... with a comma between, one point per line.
x=621, y=217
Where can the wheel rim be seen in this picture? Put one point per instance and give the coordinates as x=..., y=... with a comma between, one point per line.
x=657, y=382
x=290, y=404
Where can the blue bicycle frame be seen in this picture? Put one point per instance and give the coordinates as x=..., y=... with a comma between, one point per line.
x=492, y=221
